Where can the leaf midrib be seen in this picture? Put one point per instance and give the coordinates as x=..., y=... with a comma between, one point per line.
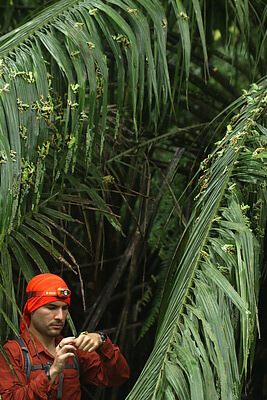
x=229, y=174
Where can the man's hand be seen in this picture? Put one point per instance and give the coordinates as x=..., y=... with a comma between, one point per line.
x=88, y=342
x=64, y=350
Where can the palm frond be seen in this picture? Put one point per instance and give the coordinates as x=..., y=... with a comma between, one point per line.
x=57, y=78
x=55, y=84
x=9, y=308
x=162, y=240
x=208, y=316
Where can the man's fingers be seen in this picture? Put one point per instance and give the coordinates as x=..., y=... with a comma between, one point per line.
x=65, y=348
x=82, y=341
x=88, y=342
x=79, y=340
x=67, y=340
x=88, y=347
x=64, y=357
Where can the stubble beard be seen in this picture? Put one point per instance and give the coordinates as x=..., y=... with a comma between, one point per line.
x=54, y=332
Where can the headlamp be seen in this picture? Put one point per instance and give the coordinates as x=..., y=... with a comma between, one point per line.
x=61, y=293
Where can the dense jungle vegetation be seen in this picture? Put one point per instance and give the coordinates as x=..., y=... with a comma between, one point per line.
x=133, y=164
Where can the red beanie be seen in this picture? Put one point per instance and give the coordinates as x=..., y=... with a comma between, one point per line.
x=43, y=289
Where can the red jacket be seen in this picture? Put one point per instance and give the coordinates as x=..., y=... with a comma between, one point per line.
x=104, y=367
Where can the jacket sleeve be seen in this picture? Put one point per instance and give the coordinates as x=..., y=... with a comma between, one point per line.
x=104, y=367
x=13, y=384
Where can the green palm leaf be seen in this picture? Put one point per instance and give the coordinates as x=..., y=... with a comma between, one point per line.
x=55, y=81
x=9, y=308
x=56, y=72
x=208, y=315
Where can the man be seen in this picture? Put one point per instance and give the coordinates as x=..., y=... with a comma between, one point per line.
x=56, y=361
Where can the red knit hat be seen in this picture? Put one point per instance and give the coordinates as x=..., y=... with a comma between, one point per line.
x=43, y=289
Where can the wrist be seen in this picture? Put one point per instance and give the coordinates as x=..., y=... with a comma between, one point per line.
x=103, y=337
x=53, y=374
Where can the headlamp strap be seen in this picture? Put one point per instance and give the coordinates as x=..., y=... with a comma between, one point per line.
x=60, y=292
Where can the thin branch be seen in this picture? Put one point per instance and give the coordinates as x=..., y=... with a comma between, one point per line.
x=156, y=139
x=103, y=300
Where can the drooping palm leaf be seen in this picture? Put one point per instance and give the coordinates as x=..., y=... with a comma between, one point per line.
x=55, y=77
x=208, y=316
x=55, y=80
x=54, y=84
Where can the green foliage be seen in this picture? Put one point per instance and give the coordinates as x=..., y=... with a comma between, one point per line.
x=53, y=87
x=54, y=82
x=208, y=317
x=95, y=99
x=163, y=239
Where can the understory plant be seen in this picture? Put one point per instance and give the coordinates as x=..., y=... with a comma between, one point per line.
x=208, y=319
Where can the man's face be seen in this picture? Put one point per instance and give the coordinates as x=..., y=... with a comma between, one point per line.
x=49, y=319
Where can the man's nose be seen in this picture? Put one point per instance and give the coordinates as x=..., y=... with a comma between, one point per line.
x=59, y=314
